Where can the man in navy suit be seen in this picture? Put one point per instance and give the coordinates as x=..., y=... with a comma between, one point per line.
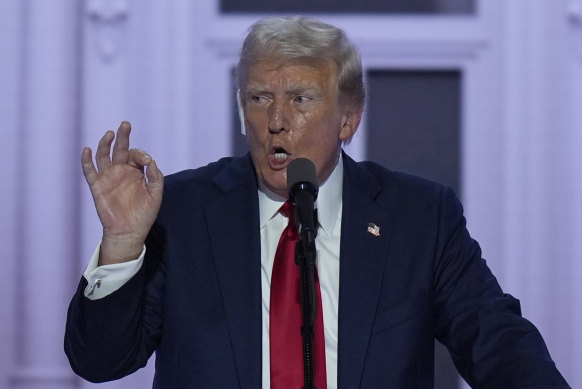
x=184, y=265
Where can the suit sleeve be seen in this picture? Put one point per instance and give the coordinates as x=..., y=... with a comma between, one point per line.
x=111, y=337
x=491, y=344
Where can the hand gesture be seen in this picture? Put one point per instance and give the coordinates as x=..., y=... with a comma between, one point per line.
x=126, y=199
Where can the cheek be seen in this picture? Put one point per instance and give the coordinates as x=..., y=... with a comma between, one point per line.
x=307, y=128
x=253, y=129
x=255, y=144
x=255, y=118
x=302, y=120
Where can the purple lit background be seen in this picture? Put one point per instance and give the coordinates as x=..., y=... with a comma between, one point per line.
x=69, y=70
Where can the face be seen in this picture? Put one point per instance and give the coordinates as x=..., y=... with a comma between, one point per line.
x=292, y=111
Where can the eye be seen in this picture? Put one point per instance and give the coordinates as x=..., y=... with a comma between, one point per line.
x=301, y=99
x=257, y=99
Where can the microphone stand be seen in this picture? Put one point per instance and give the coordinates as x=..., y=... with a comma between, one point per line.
x=302, y=187
x=305, y=254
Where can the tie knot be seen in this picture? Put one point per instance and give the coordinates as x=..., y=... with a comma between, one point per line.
x=288, y=210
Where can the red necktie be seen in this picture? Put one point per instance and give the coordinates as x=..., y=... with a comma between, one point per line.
x=285, y=316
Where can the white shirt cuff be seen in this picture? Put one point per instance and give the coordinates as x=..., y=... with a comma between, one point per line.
x=106, y=279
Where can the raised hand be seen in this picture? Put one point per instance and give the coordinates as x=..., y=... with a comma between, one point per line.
x=126, y=199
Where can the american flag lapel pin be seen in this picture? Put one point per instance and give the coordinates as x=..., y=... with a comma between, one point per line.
x=373, y=229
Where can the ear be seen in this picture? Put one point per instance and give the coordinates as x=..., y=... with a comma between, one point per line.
x=350, y=122
x=241, y=112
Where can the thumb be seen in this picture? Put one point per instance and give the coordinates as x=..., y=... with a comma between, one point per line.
x=155, y=177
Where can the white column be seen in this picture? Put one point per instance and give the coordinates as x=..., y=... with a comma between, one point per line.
x=10, y=98
x=47, y=159
x=572, y=101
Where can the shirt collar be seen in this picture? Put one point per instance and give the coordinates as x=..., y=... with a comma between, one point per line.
x=328, y=203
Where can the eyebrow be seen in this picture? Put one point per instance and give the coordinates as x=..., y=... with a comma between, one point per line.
x=298, y=88
x=303, y=88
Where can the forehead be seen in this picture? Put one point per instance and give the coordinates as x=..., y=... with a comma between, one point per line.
x=276, y=70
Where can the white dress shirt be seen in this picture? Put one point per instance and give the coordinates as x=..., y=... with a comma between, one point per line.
x=106, y=279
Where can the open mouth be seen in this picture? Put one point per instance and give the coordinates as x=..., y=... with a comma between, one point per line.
x=279, y=158
x=280, y=154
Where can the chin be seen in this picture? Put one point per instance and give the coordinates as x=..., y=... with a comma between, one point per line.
x=277, y=185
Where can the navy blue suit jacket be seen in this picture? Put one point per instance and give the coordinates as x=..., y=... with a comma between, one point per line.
x=196, y=301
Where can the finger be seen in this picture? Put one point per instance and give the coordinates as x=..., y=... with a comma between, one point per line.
x=121, y=146
x=154, y=174
x=89, y=170
x=102, y=155
x=155, y=181
x=138, y=158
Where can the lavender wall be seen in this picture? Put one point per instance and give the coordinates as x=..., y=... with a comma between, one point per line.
x=71, y=70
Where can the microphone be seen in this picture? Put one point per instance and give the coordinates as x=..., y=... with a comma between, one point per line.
x=303, y=188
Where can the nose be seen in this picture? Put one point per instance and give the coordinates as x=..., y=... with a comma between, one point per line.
x=278, y=117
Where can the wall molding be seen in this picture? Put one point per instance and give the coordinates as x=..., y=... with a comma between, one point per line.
x=453, y=51
x=108, y=17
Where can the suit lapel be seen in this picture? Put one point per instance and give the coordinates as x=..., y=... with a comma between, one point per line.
x=362, y=264
x=233, y=223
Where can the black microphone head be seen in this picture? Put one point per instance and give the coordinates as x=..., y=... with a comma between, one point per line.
x=301, y=175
